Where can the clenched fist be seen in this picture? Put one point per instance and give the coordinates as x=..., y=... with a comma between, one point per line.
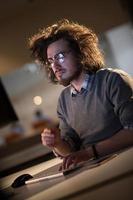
x=50, y=138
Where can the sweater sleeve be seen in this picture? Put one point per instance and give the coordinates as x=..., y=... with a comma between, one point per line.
x=68, y=134
x=120, y=92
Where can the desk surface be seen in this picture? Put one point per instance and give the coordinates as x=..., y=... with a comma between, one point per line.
x=113, y=178
x=20, y=158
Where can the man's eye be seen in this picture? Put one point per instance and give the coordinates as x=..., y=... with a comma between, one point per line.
x=60, y=55
x=61, y=60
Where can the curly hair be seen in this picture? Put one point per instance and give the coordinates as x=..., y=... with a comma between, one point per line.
x=81, y=39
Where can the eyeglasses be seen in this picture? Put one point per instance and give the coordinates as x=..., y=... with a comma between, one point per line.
x=59, y=57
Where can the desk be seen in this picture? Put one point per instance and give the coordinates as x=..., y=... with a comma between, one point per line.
x=111, y=180
x=22, y=154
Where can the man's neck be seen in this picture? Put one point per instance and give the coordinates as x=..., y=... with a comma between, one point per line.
x=77, y=83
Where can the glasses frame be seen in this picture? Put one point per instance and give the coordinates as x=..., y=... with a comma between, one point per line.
x=59, y=57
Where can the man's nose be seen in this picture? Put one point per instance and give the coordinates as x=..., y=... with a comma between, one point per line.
x=56, y=64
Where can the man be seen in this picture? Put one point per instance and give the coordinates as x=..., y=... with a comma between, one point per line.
x=95, y=109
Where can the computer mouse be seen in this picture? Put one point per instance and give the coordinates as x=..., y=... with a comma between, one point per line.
x=20, y=180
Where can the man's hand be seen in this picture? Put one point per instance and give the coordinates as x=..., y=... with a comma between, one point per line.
x=74, y=158
x=50, y=138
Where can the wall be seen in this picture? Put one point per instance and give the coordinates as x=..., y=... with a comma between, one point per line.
x=121, y=44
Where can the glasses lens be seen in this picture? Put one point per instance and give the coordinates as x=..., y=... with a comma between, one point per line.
x=60, y=57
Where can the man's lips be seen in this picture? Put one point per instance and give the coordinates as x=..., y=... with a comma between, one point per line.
x=59, y=72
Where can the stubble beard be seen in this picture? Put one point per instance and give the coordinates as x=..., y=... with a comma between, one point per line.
x=67, y=81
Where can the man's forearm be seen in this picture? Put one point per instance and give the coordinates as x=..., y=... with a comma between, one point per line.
x=121, y=140
x=63, y=149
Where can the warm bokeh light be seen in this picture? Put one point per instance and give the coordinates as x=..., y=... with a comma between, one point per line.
x=37, y=100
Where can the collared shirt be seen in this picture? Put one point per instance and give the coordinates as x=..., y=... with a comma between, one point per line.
x=84, y=86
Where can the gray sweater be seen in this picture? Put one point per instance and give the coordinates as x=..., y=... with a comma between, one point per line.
x=97, y=112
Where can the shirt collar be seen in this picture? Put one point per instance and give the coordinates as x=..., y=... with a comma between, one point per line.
x=84, y=85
